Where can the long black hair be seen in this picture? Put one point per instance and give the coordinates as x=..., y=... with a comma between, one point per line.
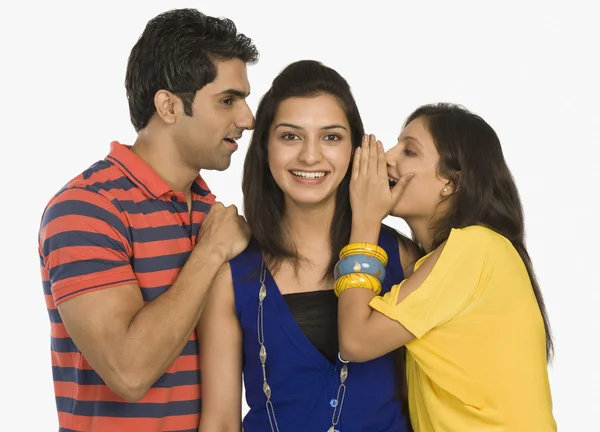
x=485, y=192
x=264, y=205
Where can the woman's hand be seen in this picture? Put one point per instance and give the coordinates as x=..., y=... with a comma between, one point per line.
x=371, y=198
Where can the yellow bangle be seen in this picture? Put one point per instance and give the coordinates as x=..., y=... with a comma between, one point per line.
x=367, y=249
x=357, y=280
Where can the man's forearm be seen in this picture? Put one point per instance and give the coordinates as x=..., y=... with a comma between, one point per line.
x=161, y=329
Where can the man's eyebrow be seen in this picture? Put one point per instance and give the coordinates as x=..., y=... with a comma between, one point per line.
x=234, y=92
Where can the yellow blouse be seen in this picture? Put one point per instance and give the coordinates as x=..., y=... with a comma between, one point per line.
x=478, y=362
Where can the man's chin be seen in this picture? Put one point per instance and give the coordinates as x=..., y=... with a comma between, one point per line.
x=222, y=166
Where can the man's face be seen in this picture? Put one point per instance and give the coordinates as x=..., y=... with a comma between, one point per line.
x=207, y=139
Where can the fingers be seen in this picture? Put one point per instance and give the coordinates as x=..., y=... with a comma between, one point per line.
x=368, y=155
x=364, y=156
x=356, y=163
x=400, y=187
x=372, y=169
x=216, y=207
x=221, y=212
x=381, y=163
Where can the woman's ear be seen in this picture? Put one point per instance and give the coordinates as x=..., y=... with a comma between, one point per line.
x=451, y=185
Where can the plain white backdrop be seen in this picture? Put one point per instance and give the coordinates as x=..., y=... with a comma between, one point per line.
x=530, y=69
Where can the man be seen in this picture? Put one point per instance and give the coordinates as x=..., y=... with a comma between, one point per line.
x=127, y=251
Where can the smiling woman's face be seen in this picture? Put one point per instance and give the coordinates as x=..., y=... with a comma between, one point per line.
x=309, y=149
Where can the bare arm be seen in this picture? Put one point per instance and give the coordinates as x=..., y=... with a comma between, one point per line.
x=366, y=334
x=220, y=338
x=129, y=344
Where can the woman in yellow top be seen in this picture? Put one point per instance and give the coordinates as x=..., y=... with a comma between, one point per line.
x=471, y=315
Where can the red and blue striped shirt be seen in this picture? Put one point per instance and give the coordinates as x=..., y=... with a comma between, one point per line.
x=115, y=224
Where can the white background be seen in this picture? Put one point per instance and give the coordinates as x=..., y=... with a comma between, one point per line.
x=531, y=70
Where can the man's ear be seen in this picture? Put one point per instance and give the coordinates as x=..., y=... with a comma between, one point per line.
x=166, y=104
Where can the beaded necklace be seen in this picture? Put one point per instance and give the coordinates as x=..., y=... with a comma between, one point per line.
x=338, y=402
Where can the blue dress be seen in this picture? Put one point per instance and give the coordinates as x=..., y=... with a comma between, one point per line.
x=304, y=384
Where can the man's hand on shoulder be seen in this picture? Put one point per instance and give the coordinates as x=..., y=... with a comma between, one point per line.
x=224, y=232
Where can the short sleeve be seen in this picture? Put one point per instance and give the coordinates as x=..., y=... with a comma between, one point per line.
x=454, y=281
x=84, y=245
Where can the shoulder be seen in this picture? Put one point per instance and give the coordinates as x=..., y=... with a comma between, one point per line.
x=245, y=268
x=475, y=237
x=82, y=205
x=468, y=249
x=88, y=185
x=249, y=257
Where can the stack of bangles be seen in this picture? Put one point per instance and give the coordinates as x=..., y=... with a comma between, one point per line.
x=361, y=265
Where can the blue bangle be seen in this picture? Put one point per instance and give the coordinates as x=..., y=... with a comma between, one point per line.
x=360, y=264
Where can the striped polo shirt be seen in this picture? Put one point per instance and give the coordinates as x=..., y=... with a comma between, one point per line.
x=119, y=223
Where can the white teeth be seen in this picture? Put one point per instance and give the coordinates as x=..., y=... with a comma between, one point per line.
x=310, y=175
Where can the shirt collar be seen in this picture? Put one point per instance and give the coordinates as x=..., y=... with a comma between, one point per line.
x=143, y=175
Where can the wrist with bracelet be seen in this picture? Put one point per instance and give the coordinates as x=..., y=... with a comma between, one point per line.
x=360, y=265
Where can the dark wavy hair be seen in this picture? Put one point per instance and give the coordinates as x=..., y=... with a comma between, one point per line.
x=176, y=52
x=485, y=192
x=264, y=206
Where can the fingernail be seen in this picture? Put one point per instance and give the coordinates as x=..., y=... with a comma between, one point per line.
x=378, y=144
x=358, y=150
x=365, y=137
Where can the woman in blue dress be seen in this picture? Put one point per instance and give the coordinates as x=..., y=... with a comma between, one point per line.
x=272, y=314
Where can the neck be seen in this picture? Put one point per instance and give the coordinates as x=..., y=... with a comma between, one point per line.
x=310, y=226
x=157, y=148
x=422, y=232
x=421, y=225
